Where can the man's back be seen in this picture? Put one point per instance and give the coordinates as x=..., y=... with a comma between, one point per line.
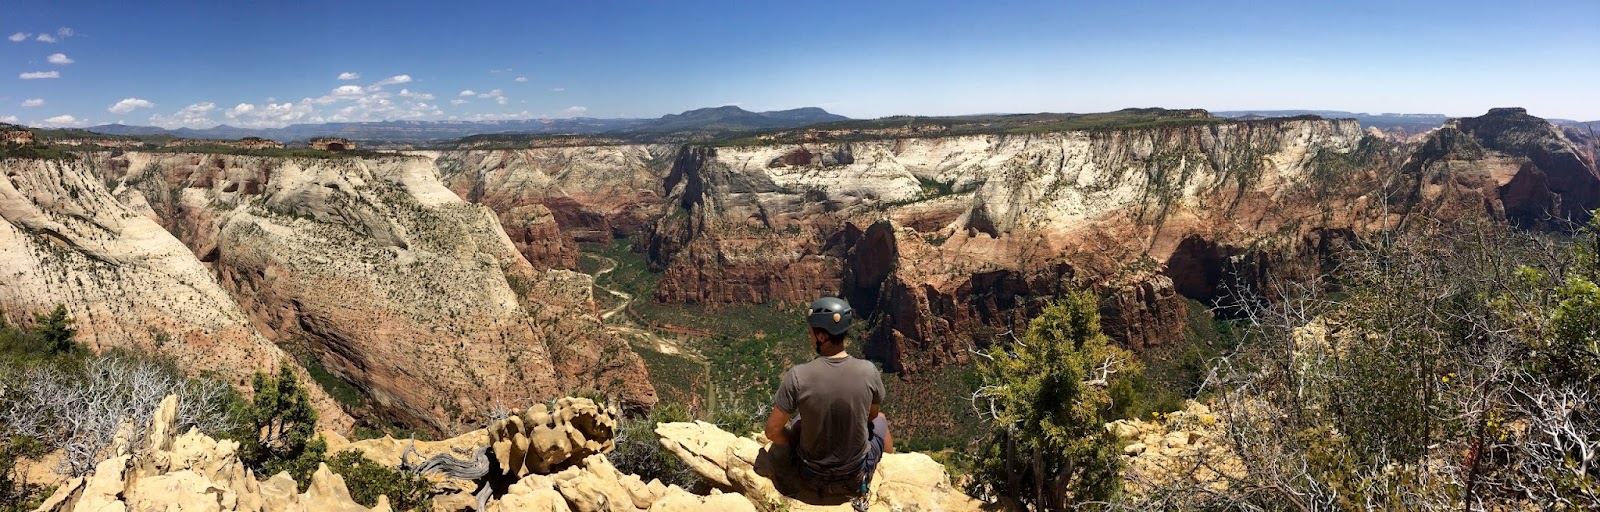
x=832, y=398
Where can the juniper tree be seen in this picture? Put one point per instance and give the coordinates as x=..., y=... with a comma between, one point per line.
x=1047, y=396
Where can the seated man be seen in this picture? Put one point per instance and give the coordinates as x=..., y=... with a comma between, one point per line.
x=837, y=432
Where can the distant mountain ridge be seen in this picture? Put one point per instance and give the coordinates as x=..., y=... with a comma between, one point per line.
x=732, y=118
x=726, y=118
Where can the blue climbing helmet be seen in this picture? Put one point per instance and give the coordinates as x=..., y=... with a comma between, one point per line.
x=831, y=314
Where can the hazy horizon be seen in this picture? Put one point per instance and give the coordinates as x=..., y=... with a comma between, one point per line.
x=258, y=66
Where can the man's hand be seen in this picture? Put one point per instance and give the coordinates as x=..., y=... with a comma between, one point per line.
x=775, y=424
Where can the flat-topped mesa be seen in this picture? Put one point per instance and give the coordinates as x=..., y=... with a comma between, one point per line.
x=244, y=143
x=15, y=135
x=332, y=144
x=1506, y=111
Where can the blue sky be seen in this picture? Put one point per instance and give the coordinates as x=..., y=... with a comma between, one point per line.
x=274, y=63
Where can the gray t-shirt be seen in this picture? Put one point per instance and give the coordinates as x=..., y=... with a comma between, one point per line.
x=832, y=398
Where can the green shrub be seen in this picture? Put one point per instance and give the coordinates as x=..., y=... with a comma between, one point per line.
x=367, y=480
x=1048, y=395
x=35, y=152
x=56, y=330
x=300, y=466
x=639, y=452
x=276, y=432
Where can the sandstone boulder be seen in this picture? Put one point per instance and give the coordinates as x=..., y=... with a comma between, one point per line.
x=542, y=439
x=599, y=487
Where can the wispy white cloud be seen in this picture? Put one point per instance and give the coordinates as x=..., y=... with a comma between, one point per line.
x=34, y=102
x=458, y=102
x=419, y=96
x=59, y=58
x=10, y=119
x=272, y=115
x=19, y=37
x=559, y=89
x=344, y=104
x=349, y=75
x=397, y=79
x=574, y=110
x=61, y=33
x=520, y=79
x=504, y=116
x=35, y=75
x=497, y=95
x=128, y=105
x=468, y=93
x=197, y=115
x=63, y=121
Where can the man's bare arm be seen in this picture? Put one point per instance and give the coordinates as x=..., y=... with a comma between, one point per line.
x=775, y=424
x=888, y=438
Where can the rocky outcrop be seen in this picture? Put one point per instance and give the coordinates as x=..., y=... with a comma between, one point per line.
x=1219, y=273
x=168, y=471
x=1142, y=311
x=332, y=144
x=543, y=438
x=12, y=134
x=128, y=283
x=547, y=459
x=416, y=298
x=599, y=487
x=1185, y=449
x=904, y=481
x=1522, y=168
x=539, y=238
x=552, y=459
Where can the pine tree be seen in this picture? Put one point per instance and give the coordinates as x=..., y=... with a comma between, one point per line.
x=281, y=423
x=56, y=330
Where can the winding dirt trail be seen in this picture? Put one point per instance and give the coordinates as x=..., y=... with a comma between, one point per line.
x=627, y=298
x=624, y=325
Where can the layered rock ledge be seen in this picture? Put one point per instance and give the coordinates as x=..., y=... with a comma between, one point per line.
x=558, y=465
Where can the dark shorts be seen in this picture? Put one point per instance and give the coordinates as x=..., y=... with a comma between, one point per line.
x=877, y=430
x=875, y=442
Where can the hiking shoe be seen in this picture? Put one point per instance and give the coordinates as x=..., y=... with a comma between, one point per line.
x=860, y=503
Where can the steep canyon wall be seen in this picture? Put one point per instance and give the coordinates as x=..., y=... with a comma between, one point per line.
x=395, y=285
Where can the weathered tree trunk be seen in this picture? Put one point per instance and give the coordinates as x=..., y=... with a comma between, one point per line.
x=1038, y=480
x=475, y=469
x=1013, y=477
